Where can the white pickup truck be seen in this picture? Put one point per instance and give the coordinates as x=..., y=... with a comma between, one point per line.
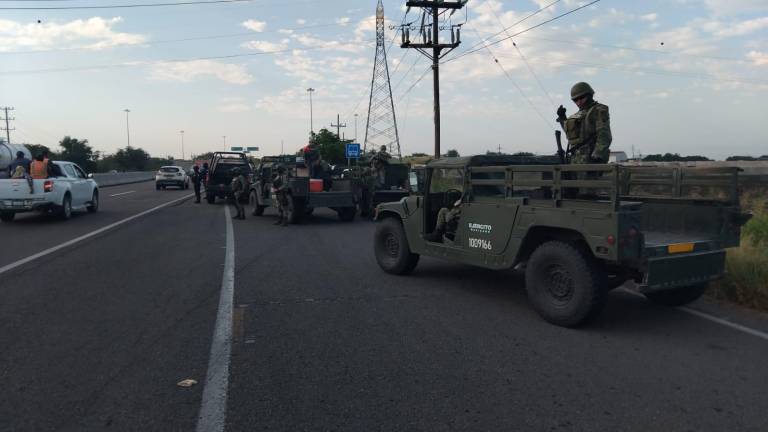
x=69, y=189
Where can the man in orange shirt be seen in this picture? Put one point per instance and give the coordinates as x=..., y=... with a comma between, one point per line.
x=39, y=168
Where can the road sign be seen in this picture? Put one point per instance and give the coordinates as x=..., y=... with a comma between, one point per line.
x=353, y=151
x=237, y=149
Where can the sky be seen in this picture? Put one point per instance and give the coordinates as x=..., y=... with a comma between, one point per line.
x=679, y=76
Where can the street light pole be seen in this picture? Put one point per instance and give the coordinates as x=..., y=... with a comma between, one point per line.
x=356, y=127
x=311, y=114
x=225, y=142
x=182, y=144
x=127, y=126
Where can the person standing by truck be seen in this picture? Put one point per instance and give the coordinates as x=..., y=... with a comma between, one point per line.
x=197, y=180
x=280, y=186
x=238, y=187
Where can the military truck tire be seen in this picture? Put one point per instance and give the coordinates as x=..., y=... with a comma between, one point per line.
x=7, y=216
x=253, y=200
x=390, y=245
x=677, y=296
x=295, y=211
x=564, y=284
x=347, y=214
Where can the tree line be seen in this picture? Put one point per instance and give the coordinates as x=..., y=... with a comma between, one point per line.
x=93, y=161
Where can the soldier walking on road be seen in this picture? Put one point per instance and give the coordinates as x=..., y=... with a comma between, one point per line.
x=589, y=130
x=238, y=189
x=280, y=186
x=197, y=180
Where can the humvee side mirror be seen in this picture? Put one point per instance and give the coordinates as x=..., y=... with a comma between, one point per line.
x=414, y=180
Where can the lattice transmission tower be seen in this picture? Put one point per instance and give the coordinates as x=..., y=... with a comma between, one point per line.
x=381, y=127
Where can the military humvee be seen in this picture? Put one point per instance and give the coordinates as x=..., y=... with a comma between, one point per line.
x=339, y=196
x=372, y=192
x=577, y=230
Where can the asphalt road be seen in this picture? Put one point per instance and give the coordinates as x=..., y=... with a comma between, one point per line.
x=97, y=335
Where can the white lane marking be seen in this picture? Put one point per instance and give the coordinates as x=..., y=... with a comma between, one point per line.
x=712, y=318
x=733, y=325
x=213, y=409
x=66, y=244
x=124, y=193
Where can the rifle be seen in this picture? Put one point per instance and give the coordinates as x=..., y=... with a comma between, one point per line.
x=560, y=152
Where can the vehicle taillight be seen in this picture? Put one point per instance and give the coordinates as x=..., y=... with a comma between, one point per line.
x=611, y=240
x=48, y=186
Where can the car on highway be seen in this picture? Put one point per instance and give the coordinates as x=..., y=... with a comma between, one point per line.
x=578, y=231
x=67, y=190
x=171, y=176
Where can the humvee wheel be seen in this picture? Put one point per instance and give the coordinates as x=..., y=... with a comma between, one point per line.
x=295, y=211
x=253, y=201
x=564, y=284
x=390, y=245
x=677, y=296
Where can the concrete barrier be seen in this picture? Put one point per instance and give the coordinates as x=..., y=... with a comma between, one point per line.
x=116, y=179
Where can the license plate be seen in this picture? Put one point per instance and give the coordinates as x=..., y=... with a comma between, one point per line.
x=680, y=248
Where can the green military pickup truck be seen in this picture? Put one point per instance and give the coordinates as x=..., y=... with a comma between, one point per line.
x=578, y=231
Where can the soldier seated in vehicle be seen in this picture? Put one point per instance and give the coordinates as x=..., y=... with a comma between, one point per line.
x=447, y=219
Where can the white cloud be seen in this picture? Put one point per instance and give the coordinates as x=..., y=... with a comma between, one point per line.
x=734, y=7
x=93, y=33
x=343, y=20
x=301, y=21
x=257, y=26
x=233, y=105
x=264, y=46
x=192, y=70
x=739, y=28
x=758, y=58
x=651, y=17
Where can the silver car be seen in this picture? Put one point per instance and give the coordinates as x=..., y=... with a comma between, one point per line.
x=171, y=176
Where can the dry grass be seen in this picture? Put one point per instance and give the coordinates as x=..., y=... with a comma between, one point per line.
x=746, y=282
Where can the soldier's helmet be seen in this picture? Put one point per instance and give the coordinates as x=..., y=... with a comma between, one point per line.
x=581, y=89
x=383, y=148
x=280, y=168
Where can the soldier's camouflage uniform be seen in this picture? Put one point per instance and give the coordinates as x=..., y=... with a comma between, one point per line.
x=280, y=185
x=589, y=134
x=238, y=189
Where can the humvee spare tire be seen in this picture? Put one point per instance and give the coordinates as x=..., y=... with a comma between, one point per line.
x=564, y=284
x=390, y=245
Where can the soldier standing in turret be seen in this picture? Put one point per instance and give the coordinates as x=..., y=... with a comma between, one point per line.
x=589, y=130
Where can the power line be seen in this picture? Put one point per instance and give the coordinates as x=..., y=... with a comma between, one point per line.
x=527, y=64
x=127, y=6
x=153, y=62
x=522, y=20
x=164, y=41
x=519, y=89
x=471, y=51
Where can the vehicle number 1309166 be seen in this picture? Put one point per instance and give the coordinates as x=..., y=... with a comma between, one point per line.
x=480, y=244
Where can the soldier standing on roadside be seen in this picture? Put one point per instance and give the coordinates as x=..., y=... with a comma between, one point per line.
x=280, y=185
x=197, y=180
x=589, y=130
x=238, y=188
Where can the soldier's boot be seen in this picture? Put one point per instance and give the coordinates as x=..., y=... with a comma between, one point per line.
x=435, y=236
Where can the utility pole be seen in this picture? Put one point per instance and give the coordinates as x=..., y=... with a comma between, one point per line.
x=430, y=35
x=127, y=126
x=338, y=125
x=182, y=144
x=311, y=114
x=7, y=120
x=225, y=142
x=356, y=115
